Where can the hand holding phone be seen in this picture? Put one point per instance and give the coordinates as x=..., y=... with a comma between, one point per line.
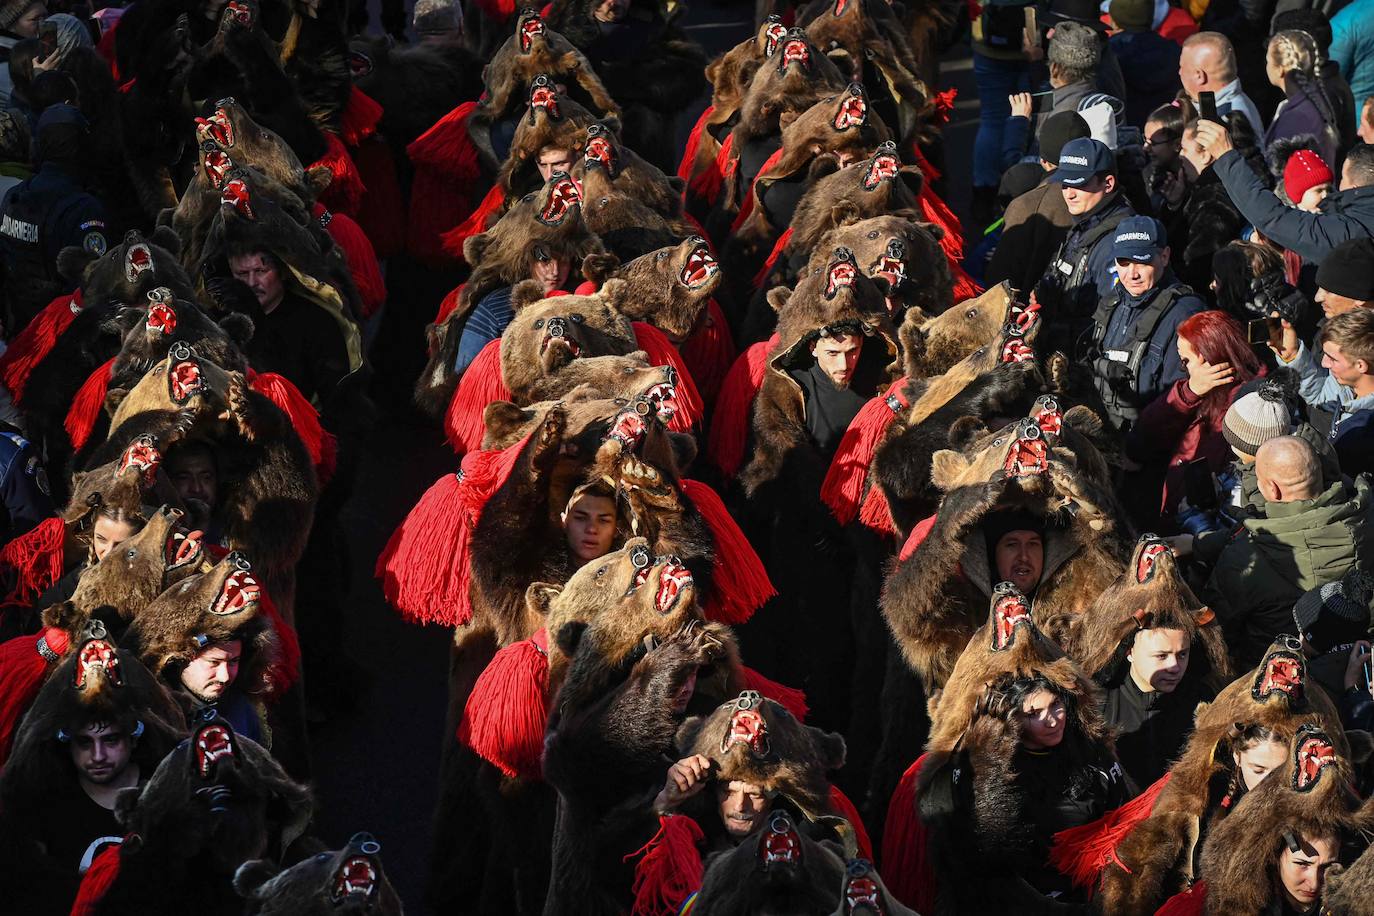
x=1207, y=106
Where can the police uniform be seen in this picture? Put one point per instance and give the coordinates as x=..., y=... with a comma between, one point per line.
x=24, y=497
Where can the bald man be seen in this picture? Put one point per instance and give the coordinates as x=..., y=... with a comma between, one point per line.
x=1208, y=64
x=1308, y=536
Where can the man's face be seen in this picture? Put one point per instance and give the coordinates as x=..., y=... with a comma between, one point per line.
x=551, y=159
x=1138, y=278
x=1344, y=370
x=101, y=753
x=742, y=806
x=108, y=533
x=837, y=357
x=1020, y=559
x=1334, y=304
x=1303, y=873
x=1085, y=197
x=194, y=477
x=590, y=526
x=1158, y=659
x=611, y=10
x=550, y=270
x=259, y=272
x=1366, y=128
x=213, y=670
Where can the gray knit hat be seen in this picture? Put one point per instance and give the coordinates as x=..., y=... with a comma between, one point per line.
x=11, y=11
x=1257, y=417
x=1075, y=47
x=437, y=17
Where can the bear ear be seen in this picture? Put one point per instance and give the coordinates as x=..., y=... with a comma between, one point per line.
x=113, y=398
x=524, y=293
x=946, y=467
x=687, y=733
x=570, y=637
x=678, y=185
x=777, y=297
x=72, y=262
x=474, y=246
x=502, y=419
x=126, y=800
x=684, y=447
x=964, y=430
x=613, y=122
x=844, y=213
x=166, y=237
x=597, y=266
x=63, y=616
x=639, y=355
x=540, y=595
x=1361, y=745
x=913, y=179
x=252, y=875
x=1083, y=419
x=613, y=292
x=317, y=178
x=830, y=747
x=239, y=327
x=935, y=229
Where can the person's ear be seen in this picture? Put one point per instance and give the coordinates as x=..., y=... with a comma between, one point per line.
x=1109, y=184
x=1164, y=257
x=1362, y=367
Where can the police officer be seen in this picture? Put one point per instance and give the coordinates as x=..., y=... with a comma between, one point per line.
x=1079, y=274
x=48, y=212
x=24, y=498
x=1132, y=349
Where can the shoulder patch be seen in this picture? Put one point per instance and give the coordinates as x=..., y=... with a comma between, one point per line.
x=93, y=224
x=95, y=243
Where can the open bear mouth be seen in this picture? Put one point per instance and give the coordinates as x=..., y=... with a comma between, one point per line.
x=543, y=97
x=356, y=877
x=143, y=457
x=853, y=110
x=1048, y=415
x=213, y=743
x=794, y=51
x=238, y=13
x=217, y=127
x=701, y=267
x=1029, y=454
x=235, y=194
x=556, y=330
x=137, y=259
x=600, y=152
x=747, y=726
x=1145, y=566
x=780, y=845
x=892, y=265
x=1315, y=753
x=628, y=428
x=840, y=7
x=562, y=197
x=97, y=655
x=1016, y=350
x=217, y=165
x=672, y=582
x=162, y=319
x=1283, y=672
x=861, y=896
x=239, y=591
x=183, y=380
x=183, y=548
x=773, y=36
x=531, y=27
x=663, y=399
x=884, y=166
x=843, y=273
x=1009, y=611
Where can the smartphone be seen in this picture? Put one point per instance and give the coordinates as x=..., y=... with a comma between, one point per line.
x=1207, y=106
x=1198, y=485
x=48, y=36
x=1261, y=330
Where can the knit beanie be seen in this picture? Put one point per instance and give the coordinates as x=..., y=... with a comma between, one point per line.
x=437, y=17
x=1305, y=170
x=1257, y=417
x=1075, y=47
x=998, y=524
x=1348, y=270
x=1058, y=129
x=11, y=11
x=1133, y=15
x=1336, y=613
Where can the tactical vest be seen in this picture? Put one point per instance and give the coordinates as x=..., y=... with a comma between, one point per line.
x=1055, y=291
x=1116, y=373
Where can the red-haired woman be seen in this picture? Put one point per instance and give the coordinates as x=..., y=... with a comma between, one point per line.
x=1184, y=423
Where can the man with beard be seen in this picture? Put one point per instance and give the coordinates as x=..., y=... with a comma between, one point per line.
x=830, y=401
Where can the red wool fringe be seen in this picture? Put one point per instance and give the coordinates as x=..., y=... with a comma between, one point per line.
x=1192, y=902
x=382, y=217
x=843, y=488
x=944, y=105
x=37, y=557
x=706, y=185
x=793, y=699
x=87, y=405
x=906, y=860
x=345, y=191
x=447, y=172
x=1080, y=853
x=661, y=352
x=360, y=258
x=671, y=870
x=425, y=568
x=917, y=537
x=841, y=805
x=476, y=223
x=762, y=276
x=286, y=667
x=33, y=344
x=359, y=118
x=965, y=287
x=739, y=583
x=930, y=172
x=709, y=352
x=689, y=154
x=321, y=444
x=935, y=210
x=480, y=385
x=751, y=198
x=875, y=512
x=97, y=881
x=22, y=673
x=735, y=405
x=449, y=303
x=508, y=709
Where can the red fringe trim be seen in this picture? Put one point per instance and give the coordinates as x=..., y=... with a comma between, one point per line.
x=87, y=405
x=345, y=191
x=730, y=425
x=842, y=806
x=319, y=442
x=739, y=583
x=930, y=172
x=1080, y=853
x=360, y=258
x=446, y=171
x=944, y=105
x=935, y=210
x=706, y=185
x=844, y=484
x=97, y=881
x=793, y=699
x=917, y=537
x=33, y=344
x=425, y=568
x=37, y=557
x=508, y=709
x=22, y=673
x=285, y=669
x=360, y=117
x=876, y=513
x=449, y=303
x=1192, y=902
x=689, y=154
x=480, y=385
x=709, y=352
x=661, y=352
x=906, y=859
x=762, y=276
x=476, y=223
x=671, y=870
x=965, y=287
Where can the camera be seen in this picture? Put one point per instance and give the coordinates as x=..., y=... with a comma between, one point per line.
x=1271, y=294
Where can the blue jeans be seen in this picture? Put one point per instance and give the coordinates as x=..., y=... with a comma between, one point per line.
x=996, y=79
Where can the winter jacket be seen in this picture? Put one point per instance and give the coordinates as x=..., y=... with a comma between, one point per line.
x=1033, y=229
x=1306, y=110
x=1172, y=428
x=1352, y=48
x=1149, y=63
x=1343, y=216
x=1208, y=221
x=1069, y=298
x=1352, y=418
x=1270, y=561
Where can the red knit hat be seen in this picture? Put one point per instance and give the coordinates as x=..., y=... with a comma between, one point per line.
x=1305, y=170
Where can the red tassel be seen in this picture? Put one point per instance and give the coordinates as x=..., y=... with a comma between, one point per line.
x=359, y=118
x=934, y=210
x=447, y=171
x=286, y=667
x=944, y=105
x=345, y=191
x=449, y=303
x=508, y=709
x=906, y=859
x=752, y=197
x=843, y=489
x=917, y=537
x=424, y=568
x=689, y=154
x=739, y=583
x=38, y=559
x=734, y=406
x=661, y=352
x=476, y=223
x=382, y=217
x=1192, y=902
x=965, y=287
x=762, y=276
x=97, y=881
x=87, y=405
x=875, y=512
x=841, y=805
x=33, y=344
x=709, y=352
x=23, y=669
x=1080, y=853
x=360, y=258
x=793, y=699
x=707, y=184
x=671, y=870
x=447, y=146
x=321, y=444
x=480, y=385
x=928, y=171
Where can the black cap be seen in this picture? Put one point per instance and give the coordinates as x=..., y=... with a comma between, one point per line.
x=1348, y=270
x=1336, y=613
x=999, y=524
x=1088, y=12
x=1058, y=129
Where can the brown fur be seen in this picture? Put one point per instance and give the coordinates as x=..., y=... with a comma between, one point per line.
x=1348, y=890
x=739, y=883
x=308, y=888
x=538, y=128
x=781, y=87
x=655, y=291
x=631, y=173
x=931, y=345
x=730, y=76
x=512, y=68
x=121, y=484
x=626, y=225
x=925, y=282
x=261, y=149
